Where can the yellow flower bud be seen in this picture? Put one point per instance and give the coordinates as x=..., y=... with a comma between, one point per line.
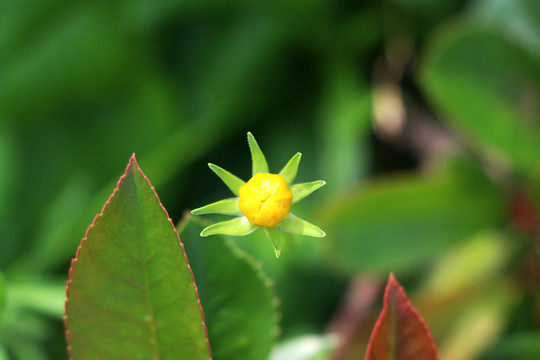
x=265, y=200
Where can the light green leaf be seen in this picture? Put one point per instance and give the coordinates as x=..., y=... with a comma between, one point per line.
x=131, y=293
x=257, y=157
x=226, y=207
x=296, y=225
x=274, y=235
x=233, y=182
x=486, y=99
x=404, y=223
x=2, y=295
x=345, y=123
x=3, y=354
x=302, y=190
x=480, y=259
x=238, y=300
x=291, y=168
x=42, y=296
x=238, y=226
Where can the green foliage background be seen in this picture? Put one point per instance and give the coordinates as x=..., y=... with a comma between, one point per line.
x=422, y=116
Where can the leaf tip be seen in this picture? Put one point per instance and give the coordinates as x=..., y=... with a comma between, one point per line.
x=204, y=233
x=412, y=333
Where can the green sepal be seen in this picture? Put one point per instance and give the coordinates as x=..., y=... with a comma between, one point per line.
x=225, y=207
x=302, y=190
x=257, y=157
x=291, y=168
x=273, y=234
x=295, y=225
x=233, y=182
x=238, y=226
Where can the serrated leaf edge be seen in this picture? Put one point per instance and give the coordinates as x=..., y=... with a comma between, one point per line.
x=132, y=162
x=393, y=283
x=250, y=260
x=267, y=281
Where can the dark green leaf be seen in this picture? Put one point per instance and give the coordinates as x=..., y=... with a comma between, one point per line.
x=523, y=346
x=78, y=56
x=131, y=293
x=237, y=299
x=518, y=18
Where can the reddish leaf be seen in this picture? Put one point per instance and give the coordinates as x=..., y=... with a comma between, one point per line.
x=400, y=332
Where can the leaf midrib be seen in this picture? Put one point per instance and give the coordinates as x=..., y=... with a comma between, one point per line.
x=150, y=318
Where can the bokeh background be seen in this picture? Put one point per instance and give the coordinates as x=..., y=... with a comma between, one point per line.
x=422, y=116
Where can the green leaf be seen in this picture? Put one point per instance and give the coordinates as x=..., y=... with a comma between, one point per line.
x=20, y=347
x=296, y=225
x=519, y=19
x=274, y=235
x=3, y=354
x=238, y=226
x=226, y=207
x=11, y=188
x=485, y=97
x=131, y=292
x=480, y=259
x=345, y=122
x=58, y=227
x=291, y=168
x=237, y=298
x=403, y=223
x=257, y=157
x=233, y=182
x=2, y=295
x=520, y=346
x=480, y=321
x=39, y=295
x=60, y=60
x=302, y=190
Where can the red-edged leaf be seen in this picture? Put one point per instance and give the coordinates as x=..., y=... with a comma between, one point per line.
x=131, y=293
x=400, y=332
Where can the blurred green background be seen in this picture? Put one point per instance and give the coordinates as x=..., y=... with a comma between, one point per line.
x=422, y=116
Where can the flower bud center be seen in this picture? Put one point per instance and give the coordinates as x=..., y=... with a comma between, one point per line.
x=265, y=200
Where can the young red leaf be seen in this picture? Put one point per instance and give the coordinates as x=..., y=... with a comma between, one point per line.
x=400, y=332
x=131, y=293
